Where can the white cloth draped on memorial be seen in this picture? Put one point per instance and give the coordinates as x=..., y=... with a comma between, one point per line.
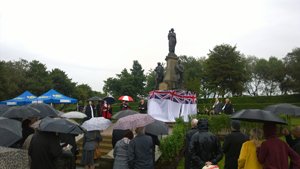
x=166, y=105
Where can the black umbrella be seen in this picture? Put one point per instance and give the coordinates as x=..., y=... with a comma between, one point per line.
x=10, y=131
x=284, y=108
x=3, y=108
x=59, y=126
x=95, y=98
x=45, y=110
x=109, y=100
x=257, y=115
x=22, y=112
x=157, y=128
x=124, y=113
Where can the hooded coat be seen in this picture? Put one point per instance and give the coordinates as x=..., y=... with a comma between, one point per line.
x=273, y=153
x=204, y=147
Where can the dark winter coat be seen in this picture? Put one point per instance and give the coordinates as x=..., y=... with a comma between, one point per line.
x=187, y=155
x=231, y=148
x=204, y=147
x=44, y=150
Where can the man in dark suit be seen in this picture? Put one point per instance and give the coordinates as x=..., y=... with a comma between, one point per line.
x=227, y=108
x=90, y=110
x=232, y=145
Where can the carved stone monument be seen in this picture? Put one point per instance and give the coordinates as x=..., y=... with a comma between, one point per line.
x=173, y=74
x=170, y=78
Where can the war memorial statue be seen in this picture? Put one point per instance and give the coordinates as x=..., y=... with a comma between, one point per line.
x=172, y=41
x=159, y=77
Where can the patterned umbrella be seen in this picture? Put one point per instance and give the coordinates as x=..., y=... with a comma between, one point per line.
x=124, y=113
x=133, y=121
x=126, y=98
x=96, y=123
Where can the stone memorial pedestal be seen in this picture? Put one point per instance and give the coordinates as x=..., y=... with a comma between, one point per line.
x=170, y=75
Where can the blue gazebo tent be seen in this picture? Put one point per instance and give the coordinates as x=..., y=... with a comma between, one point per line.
x=23, y=99
x=52, y=96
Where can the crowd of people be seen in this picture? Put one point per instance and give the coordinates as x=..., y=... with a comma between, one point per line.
x=203, y=148
x=261, y=149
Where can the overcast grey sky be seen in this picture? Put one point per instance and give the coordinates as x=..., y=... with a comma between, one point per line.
x=93, y=40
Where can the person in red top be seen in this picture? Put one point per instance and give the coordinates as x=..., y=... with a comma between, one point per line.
x=106, y=110
x=273, y=153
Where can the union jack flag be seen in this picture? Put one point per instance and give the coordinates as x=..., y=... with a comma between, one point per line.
x=183, y=97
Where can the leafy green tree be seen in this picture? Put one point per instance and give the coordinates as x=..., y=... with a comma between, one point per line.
x=38, y=79
x=138, y=78
x=126, y=83
x=254, y=85
x=275, y=75
x=61, y=82
x=225, y=70
x=193, y=73
x=292, y=62
x=83, y=92
x=150, y=81
x=12, y=78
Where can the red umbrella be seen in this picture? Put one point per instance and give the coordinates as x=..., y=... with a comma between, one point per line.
x=126, y=98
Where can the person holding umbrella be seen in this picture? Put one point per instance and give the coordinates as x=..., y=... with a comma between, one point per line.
x=91, y=140
x=124, y=105
x=44, y=150
x=248, y=156
x=294, y=143
x=274, y=153
x=121, y=151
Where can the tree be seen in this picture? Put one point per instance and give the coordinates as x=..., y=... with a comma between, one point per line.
x=193, y=73
x=150, y=81
x=38, y=79
x=138, y=78
x=254, y=85
x=126, y=83
x=292, y=62
x=275, y=73
x=12, y=78
x=225, y=70
x=61, y=82
x=83, y=92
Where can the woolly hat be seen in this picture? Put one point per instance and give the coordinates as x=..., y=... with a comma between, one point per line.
x=235, y=124
x=202, y=124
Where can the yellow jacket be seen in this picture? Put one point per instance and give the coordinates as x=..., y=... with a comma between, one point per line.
x=248, y=157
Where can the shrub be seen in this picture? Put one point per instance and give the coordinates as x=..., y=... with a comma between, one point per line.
x=171, y=145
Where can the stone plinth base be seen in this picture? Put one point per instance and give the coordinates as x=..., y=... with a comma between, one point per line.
x=170, y=75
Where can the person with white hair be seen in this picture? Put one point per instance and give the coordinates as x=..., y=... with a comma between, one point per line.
x=188, y=137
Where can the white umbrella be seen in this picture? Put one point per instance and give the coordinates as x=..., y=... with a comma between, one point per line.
x=96, y=123
x=74, y=115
